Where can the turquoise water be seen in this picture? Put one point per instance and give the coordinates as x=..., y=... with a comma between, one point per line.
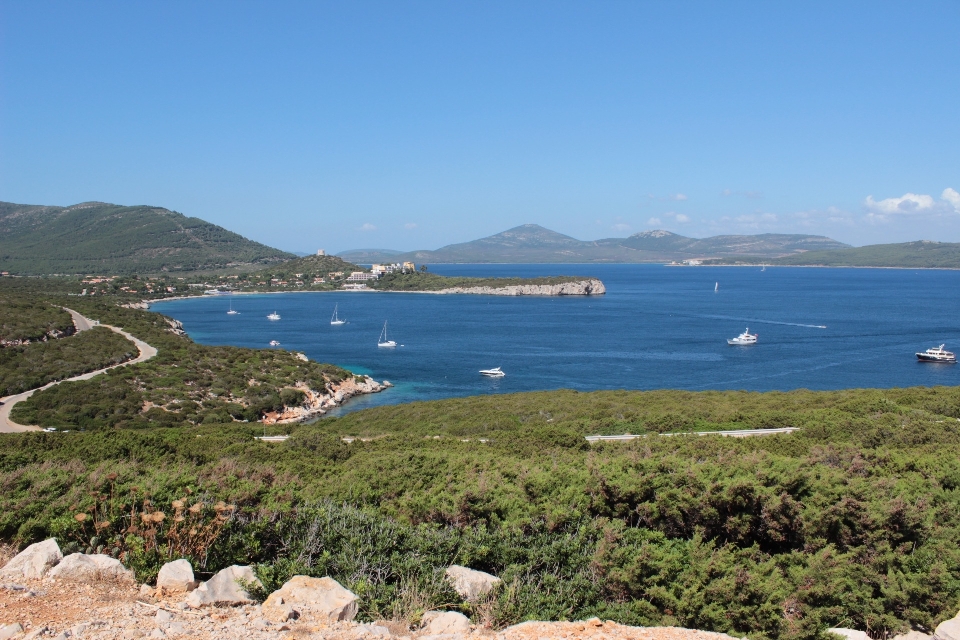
x=657, y=327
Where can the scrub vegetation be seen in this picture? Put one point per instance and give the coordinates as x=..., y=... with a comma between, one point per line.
x=852, y=521
x=27, y=367
x=185, y=384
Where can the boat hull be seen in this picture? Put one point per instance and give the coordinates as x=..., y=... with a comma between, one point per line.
x=387, y=345
x=922, y=357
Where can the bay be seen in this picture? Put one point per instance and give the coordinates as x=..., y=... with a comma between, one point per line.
x=658, y=327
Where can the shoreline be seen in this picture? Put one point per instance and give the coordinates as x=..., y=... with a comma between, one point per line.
x=483, y=290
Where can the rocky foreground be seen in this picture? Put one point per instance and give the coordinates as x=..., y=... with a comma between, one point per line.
x=46, y=595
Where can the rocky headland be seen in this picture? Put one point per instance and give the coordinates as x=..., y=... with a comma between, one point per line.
x=316, y=403
x=590, y=287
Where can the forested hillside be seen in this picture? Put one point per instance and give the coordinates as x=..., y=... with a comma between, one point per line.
x=101, y=238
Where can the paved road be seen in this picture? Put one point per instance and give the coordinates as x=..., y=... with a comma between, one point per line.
x=82, y=324
x=737, y=433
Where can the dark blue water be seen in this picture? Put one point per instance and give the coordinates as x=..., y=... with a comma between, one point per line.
x=657, y=327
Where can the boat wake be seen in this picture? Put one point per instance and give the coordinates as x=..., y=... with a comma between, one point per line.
x=755, y=321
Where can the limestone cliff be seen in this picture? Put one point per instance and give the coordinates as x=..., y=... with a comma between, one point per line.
x=591, y=287
x=316, y=403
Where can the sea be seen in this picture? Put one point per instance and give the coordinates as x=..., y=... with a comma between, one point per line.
x=657, y=327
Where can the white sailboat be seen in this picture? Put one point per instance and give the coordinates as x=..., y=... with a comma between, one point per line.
x=273, y=316
x=334, y=319
x=382, y=341
x=231, y=312
x=716, y=286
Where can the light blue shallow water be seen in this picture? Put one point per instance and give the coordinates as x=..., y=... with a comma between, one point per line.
x=657, y=327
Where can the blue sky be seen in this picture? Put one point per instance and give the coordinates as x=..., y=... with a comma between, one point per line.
x=416, y=124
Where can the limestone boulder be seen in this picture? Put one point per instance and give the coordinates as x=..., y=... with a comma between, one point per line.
x=9, y=630
x=34, y=561
x=80, y=566
x=912, y=635
x=849, y=634
x=225, y=587
x=470, y=583
x=312, y=599
x=176, y=576
x=948, y=629
x=437, y=623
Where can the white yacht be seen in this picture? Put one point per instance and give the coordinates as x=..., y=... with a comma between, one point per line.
x=744, y=338
x=273, y=316
x=938, y=354
x=274, y=343
x=334, y=320
x=232, y=312
x=493, y=373
x=382, y=341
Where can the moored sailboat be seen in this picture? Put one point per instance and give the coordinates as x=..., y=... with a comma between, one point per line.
x=383, y=341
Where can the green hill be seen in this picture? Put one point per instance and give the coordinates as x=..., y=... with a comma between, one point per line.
x=922, y=254
x=533, y=243
x=96, y=237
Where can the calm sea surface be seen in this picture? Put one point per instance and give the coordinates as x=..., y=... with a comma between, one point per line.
x=657, y=327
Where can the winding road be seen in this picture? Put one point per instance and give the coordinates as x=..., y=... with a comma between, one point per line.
x=82, y=324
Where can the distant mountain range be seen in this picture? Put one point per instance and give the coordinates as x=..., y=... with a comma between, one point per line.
x=533, y=243
x=96, y=237
x=922, y=254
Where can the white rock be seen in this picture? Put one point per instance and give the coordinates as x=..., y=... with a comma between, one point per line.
x=224, y=588
x=912, y=635
x=176, y=629
x=948, y=630
x=850, y=634
x=163, y=616
x=77, y=630
x=313, y=599
x=176, y=576
x=469, y=583
x=444, y=622
x=373, y=630
x=36, y=633
x=34, y=561
x=10, y=630
x=80, y=566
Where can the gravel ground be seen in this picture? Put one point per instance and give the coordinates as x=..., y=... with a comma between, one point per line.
x=112, y=610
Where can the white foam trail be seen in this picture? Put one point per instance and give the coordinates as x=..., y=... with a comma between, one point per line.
x=755, y=321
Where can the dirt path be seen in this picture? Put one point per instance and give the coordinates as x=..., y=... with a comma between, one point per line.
x=82, y=324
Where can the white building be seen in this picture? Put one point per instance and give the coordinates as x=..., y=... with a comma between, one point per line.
x=360, y=276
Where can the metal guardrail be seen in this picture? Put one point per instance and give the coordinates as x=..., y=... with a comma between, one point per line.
x=739, y=433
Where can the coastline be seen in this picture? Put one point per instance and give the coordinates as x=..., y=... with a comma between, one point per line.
x=589, y=286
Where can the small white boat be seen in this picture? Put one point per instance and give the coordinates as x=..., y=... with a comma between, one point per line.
x=493, y=373
x=938, y=354
x=716, y=286
x=231, y=312
x=382, y=341
x=744, y=338
x=273, y=316
x=334, y=320
x=274, y=343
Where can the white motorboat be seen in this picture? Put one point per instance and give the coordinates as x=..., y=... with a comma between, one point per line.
x=744, y=338
x=938, y=354
x=231, y=312
x=382, y=341
x=493, y=373
x=334, y=320
x=274, y=343
x=273, y=316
